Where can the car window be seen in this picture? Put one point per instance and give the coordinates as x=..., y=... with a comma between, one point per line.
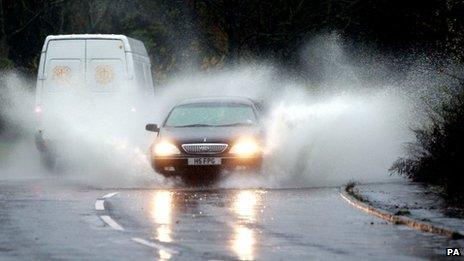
x=211, y=114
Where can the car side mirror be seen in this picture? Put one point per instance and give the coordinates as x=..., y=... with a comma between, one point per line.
x=152, y=127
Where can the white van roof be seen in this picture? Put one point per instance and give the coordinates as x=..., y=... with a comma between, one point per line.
x=130, y=44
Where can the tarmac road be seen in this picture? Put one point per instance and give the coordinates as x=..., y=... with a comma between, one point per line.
x=49, y=219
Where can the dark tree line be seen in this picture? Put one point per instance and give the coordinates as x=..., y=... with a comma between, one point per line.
x=182, y=33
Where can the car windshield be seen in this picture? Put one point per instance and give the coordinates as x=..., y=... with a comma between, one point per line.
x=211, y=114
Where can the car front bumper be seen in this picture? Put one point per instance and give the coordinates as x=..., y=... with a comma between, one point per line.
x=179, y=165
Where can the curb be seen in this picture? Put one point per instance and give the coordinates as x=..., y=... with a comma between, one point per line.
x=398, y=220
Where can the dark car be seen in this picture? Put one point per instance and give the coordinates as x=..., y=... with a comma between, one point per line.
x=206, y=135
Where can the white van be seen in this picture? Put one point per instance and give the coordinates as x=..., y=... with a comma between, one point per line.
x=83, y=77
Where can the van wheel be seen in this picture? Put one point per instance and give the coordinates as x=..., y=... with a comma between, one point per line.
x=48, y=161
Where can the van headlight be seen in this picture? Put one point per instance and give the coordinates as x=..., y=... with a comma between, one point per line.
x=246, y=147
x=165, y=148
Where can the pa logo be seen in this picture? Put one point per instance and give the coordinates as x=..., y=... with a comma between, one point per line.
x=453, y=252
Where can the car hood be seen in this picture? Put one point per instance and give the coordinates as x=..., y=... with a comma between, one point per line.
x=208, y=134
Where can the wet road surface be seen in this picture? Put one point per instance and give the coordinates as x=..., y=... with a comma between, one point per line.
x=55, y=219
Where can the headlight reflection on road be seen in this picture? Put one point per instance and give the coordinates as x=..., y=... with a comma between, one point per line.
x=243, y=241
x=162, y=207
x=244, y=204
x=164, y=255
x=163, y=233
x=162, y=215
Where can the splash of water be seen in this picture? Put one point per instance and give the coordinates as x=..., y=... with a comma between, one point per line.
x=317, y=135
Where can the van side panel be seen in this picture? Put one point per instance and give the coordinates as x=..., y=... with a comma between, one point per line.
x=148, y=77
x=143, y=80
x=106, y=65
x=40, y=80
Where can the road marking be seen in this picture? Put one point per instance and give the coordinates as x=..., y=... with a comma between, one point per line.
x=110, y=222
x=100, y=204
x=109, y=195
x=154, y=245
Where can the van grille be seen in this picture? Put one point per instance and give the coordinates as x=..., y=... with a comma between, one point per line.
x=204, y=148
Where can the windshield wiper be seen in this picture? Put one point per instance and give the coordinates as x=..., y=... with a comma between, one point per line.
x=234, y=124
x=212, y=125
x=194, y=125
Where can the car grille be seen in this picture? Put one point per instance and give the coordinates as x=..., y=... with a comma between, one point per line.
x=204, y=148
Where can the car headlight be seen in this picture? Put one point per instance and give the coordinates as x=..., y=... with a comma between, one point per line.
x=165, y=148
x=246, y=147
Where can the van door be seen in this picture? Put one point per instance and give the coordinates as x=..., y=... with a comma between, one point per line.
x=64, y=77
x=106, y=65
x=64, y=65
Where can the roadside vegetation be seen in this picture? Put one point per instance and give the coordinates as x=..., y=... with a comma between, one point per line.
x=351, y=189
x=205, y=33
x=437, y=155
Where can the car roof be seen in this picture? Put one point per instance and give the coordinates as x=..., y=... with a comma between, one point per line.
x=218, y=99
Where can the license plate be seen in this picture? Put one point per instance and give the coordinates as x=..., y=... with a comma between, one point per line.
x=204, y=161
